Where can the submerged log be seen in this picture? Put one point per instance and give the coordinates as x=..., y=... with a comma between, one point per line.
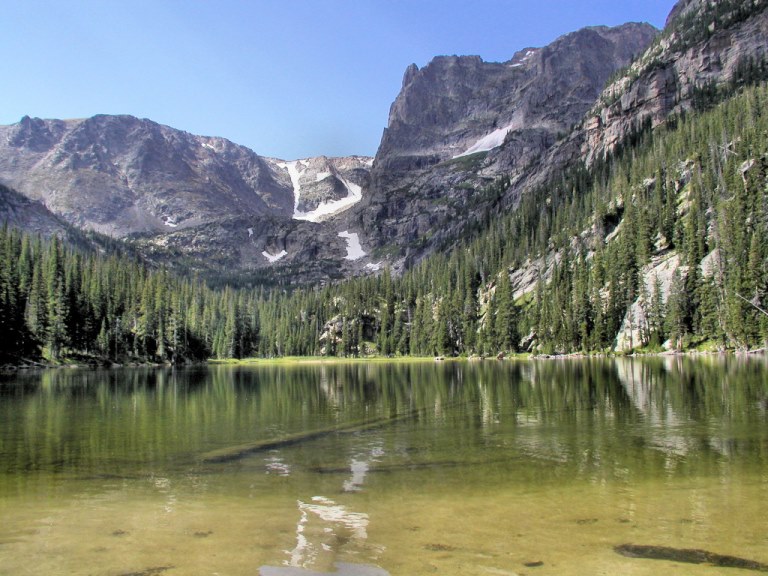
x=689, y=556
x=398, y=467
x=231, y=453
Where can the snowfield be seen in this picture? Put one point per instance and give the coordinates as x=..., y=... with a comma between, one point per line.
x=354, y=249
x=274, y=257
x=325, y=209
x=489, y=141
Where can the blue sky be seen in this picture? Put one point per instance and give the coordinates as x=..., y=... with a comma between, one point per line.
x=287, y=78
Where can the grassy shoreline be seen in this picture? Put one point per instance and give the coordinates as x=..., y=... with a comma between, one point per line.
x=297, y=360
x=314, y=360
x=292, y=360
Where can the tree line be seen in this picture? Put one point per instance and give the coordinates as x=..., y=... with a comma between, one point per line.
x=558, y=273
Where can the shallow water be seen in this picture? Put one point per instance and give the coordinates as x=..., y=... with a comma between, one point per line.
x=451, y=468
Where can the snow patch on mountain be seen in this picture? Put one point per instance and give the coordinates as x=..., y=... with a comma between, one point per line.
x=490, y=141
x=274, y=257
x=324, y=210
x=521, y=61
x=354, y=249
x=295, y=175
x=327, y=209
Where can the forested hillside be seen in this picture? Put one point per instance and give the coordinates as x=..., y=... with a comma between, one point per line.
x=692, y=192
x=577, y=263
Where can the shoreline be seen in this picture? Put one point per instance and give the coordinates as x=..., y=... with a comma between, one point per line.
x=31, y=365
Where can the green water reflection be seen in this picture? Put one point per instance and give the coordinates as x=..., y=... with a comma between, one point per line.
x=465, y=467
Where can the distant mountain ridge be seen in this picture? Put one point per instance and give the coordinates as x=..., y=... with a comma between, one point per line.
x=464, y=138
x=207, y=197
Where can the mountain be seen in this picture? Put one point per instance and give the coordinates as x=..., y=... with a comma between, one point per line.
x=460, y=123
x=18, y=211
x=459, y=105
x=690, y=79
x=171, y=192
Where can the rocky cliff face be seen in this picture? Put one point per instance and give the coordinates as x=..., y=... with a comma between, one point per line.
x=703, y=44
x=460, y=122
x=175, y=192
x=459, y=105
x=21, y=212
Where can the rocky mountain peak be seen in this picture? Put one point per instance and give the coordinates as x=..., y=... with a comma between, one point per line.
x=455, y=101
x=34, y=134
x=682, y=7
x=177, y=192
x=410, y=74
x=460, y=121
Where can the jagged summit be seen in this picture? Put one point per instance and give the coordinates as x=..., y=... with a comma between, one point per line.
x=459, y=122
x=454, y=102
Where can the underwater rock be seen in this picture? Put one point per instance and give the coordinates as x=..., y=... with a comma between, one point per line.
x=440, y=547
x=689, y=556
x=154, y=571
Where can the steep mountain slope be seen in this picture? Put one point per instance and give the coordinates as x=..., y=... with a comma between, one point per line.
x=707, y=54
x=203, y=197
x=704, y=44
x=120, y=175
x=18, y=211
x=460, y=122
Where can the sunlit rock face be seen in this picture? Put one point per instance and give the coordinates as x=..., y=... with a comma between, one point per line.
x=703, y=43
x=458, y=105
x=460, y=122
x=121, y=175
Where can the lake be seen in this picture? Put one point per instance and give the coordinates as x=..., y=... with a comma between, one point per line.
x=470, y=468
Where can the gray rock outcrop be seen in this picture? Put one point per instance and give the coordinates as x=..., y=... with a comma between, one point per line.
x=703, y=45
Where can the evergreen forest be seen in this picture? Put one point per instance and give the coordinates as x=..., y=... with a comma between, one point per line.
x=575, y=263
